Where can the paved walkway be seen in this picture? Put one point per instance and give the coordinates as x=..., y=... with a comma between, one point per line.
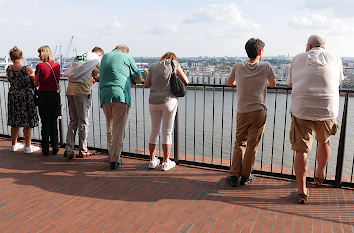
x=51, y=194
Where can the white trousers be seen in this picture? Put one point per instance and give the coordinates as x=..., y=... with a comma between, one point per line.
x=163, y=115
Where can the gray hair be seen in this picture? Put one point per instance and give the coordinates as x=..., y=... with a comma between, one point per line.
x=317, y=40
x=123, y=48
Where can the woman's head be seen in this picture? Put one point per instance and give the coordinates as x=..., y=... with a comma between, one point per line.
x=45, y=54
x=169, y=56
x=15, y=53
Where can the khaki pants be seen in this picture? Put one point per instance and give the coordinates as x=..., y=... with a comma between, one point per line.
x=117, y=115
x=249, y=130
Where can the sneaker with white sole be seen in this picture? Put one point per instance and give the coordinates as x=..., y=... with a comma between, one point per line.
x=30, y=149
x=16, y=147
x=153, y=164
x=168, y=165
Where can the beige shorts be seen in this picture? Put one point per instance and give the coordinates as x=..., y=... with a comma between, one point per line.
x=301, y=132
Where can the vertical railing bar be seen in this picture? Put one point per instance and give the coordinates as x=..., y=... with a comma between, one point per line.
x=212, y=133
x=8, y=87
x=92, y=119
x=2, y=118
x=285, y=121
x=195, y=118
x=99, y=120
x=222, y=122
x=292, y=167
x=185, y=126
x=232, y=125
x=144, y=118
x=275, y=111
x=129, y=148
x=351, y=175
x=341, y=144
x=314, y=170
x=203, y=125
x=136, y=120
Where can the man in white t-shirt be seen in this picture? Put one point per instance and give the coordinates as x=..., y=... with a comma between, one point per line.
x=314, y=77
x=251, y=78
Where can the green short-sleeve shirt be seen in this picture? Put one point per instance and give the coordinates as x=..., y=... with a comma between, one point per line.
x=116, y=74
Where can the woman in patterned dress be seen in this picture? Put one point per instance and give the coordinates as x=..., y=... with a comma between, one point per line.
x=22, y=111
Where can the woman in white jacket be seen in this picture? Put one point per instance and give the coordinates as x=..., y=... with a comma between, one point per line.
x=163, y=106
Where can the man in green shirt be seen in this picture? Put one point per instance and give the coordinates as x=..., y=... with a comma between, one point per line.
x=117, y=73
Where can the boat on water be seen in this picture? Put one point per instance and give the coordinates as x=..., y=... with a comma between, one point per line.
x=3, y=66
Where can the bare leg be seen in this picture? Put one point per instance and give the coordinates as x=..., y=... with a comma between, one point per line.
x=27, y=132
x=323, y=154
x=14, y=135
x=152, y=148
x=301, y=166
x=166, y=151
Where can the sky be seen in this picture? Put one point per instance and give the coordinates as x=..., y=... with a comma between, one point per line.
x=187, y=27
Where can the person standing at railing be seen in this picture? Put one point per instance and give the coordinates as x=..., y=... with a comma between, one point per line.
x=47, y=78
x=82, y=75
x=251, y=78
x=163, y=106
x=315, y=76
x=22, y=111
x=118, y=72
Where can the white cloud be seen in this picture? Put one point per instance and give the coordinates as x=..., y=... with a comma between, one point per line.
x=28, y=24
x=162, y=28
x=342, y=8
x=2, y=20
x=322, y=22
x=226, y=14
x=2, y=2
x=113, y=25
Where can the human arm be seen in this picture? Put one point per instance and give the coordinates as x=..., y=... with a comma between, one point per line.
x=271, y=83
x=231, y=80
x=33, y=75
x=182, y=75
x=148, y=80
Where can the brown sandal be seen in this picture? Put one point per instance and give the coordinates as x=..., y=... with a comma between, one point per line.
x=302, y=198
x=84, y=154
x=318, y=180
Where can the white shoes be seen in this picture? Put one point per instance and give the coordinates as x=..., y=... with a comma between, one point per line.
x=30, y=149
x=153, y=164
x=168, y=165
x=16, y=147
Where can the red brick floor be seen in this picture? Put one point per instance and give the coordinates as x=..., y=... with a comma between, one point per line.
x=51, y=194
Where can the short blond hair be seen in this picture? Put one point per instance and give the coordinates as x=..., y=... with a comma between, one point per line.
x=317, y=40
x=123, y=48
x=45, y=53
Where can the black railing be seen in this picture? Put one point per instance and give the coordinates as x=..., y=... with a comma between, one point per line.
x=205, y=130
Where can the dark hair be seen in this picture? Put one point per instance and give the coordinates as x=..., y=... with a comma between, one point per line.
x=253, y=47
x=97, y=49
x=15, y=53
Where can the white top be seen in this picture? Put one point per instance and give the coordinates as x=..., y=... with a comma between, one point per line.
x=315, y=76
x=251, y=81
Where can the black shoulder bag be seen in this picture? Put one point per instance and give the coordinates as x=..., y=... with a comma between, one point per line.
x=177, y=87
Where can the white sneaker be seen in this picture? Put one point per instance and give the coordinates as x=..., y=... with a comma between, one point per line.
x=168, y=165
x=30, y=149
x=153, y=164
x=16, y=147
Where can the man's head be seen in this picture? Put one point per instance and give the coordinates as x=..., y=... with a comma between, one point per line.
x=254, y=47
x=316, y=40
x=123, y=48
x=98, y=51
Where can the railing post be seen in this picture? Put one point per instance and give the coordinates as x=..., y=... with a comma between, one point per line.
x=176, y=142
x=61, y=131
x=341, y=145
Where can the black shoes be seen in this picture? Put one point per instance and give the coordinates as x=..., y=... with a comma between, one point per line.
x=245, y=180
x=233, y=180
x=115, y=165
x=55, y=151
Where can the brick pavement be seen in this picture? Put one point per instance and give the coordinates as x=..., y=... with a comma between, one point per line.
x=51, y=194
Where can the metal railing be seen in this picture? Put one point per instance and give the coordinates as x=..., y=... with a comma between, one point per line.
x=205, y=130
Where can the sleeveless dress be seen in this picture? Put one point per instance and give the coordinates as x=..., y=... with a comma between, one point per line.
x=22, y=111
